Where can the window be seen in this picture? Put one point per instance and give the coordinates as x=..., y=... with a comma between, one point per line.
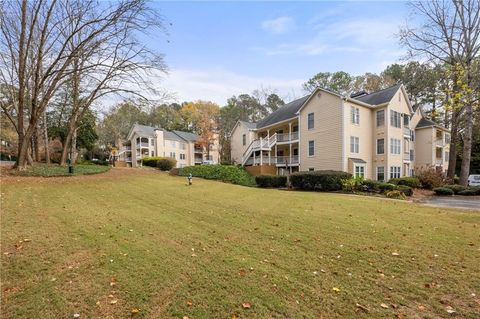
x=311, y=169
x=380, y=118
x=412, y=156
x=152, y=153
x=406, y=120
x=359, y=170
x=244, y=139
x=354, y=144
x=395, y=119
x=172, y=154
x=412, y=135
x=447, y=156
x=447, y=138
x=394, y=172
x=182, y=156
x=380, y=146
x=182, y=146
x=355, y=114
x=394, y=146
x=380, y=173
x=173, y=144
x=311, y=121
x=209, y=157
x=152, y=142
x=311, y=148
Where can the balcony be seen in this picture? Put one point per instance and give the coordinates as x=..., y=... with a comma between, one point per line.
x=274, y=160
x=439, y=142
x=438, y=162
x=407, y=132
x=198, y=160
x=128, y=159
x=127, y=148
x=198, y=150
x=407, y=157
x=142, y=145
x=287, y=137
x=281, y=160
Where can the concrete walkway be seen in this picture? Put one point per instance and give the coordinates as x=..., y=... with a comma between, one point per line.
x=464, y=202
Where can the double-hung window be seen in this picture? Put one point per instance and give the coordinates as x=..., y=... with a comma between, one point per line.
x=359, y=170
x=311, y=148
x=395, y=119
x=244, y=139
x=380, y=146
x=311, y=121
x=394, y=172
x=395, y=146
x=381, y=173
x=380, y=118
x=355, y=114
x=354, y=144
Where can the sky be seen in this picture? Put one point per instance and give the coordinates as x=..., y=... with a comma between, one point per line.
x=215, y=50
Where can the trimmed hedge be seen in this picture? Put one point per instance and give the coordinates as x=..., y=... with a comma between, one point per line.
x=273, y=181
x=225, y=173
x=166, y=163
x=371, y=185
x=406, y=190
x=319, y=180
x=444, y=191
x=456, y=188
x=407, y=181
x=151, y=161
x=386, y=187
x=468, y=192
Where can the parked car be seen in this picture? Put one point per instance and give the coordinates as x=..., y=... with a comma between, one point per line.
x=208, y=162
x=473, y=180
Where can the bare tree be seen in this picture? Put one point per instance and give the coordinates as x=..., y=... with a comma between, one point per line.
x=449, y=33
x=39, y=42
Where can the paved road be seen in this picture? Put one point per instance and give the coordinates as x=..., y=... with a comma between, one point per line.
x=470, y=202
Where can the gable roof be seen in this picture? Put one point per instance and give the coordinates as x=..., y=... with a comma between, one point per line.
x=283, y=113
x=249, y=125
x=192, y=137
x=149, y=131
x=379, y=97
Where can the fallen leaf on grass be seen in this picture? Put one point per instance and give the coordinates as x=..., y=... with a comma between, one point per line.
x=189, y=303
x=395, y=254
x=362, y=307
x=450, y=310
x=384, y=306
x=246, y=305
x=112, y=302
x=336, y=289
x=135, y=311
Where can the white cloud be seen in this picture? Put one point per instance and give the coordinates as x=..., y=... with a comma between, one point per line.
x=218, y=85
x=363, y=35
x=279, y=25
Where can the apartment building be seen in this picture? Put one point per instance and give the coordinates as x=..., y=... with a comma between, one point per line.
x=371, y=135
x=184, y=147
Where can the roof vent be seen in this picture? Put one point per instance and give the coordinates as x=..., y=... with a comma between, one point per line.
x=358, y=94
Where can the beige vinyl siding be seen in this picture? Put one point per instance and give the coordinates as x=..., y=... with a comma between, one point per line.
x=425, y=155
x=327, y=133
x=364, y=132
x=379, y=133
x=237, y=147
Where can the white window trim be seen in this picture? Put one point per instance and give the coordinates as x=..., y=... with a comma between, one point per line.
x=313, y=121
x=376, y=146
x=355, y=115
x=376, y=172
x=376, y=118
x=308, y=148
x=358, y=145
x=355, y=165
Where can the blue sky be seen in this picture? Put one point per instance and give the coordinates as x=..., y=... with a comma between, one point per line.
x=218, y=49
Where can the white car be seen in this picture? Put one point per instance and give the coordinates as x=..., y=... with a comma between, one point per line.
x=473, y=180
x=208, y=162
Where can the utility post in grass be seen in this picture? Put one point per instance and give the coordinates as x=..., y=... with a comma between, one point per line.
x=70, y=156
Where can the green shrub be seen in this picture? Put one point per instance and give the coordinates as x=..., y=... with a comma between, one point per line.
x=319, y=180
x=443, y=191
x=151, y=161
x=476, y=189
x=386, y=187
x=226, y=173
x=406, y=190
x=456, y=188
x=371, y=185
x=467, y=192
x=271, y=181
x=430, y=178
x=166, y=163
x=413, y=182
x=353, y=184
x=395, y=194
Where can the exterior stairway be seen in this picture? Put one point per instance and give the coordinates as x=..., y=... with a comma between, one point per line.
x=261, y=144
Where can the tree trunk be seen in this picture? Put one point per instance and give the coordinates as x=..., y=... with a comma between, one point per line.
x=38, y=140
x=467, y=145
x=74, y=146
x=66, y=147
x=452, y=157
x=45, y=136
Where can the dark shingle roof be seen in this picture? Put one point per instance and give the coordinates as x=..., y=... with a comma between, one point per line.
x=425, y=123
x=285, y=112
x=249, y=124
x=187, y=135
x=143, y=130
x=379, y=97
x=357, y=160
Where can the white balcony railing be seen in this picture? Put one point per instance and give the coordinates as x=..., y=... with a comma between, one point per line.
x=438, y=161
x=287, y=137
x=407, y=132
x=406, y=156
x=143, y=144
x=281, y=160
x=439, y=142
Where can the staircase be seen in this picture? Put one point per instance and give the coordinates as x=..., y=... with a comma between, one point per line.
x=261, y=144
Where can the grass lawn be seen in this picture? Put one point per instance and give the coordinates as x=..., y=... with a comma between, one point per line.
x=104, y=245
x=45, y=170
